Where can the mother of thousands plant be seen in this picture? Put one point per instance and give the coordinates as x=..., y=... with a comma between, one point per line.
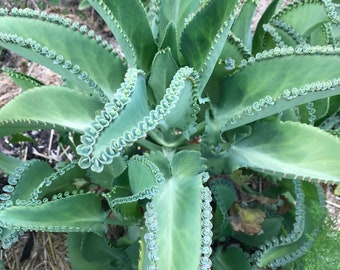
x=174, y=139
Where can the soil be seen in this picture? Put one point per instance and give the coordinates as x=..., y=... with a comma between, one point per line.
x=49, y=250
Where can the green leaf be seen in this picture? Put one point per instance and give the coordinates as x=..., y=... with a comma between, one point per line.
x=75, y=247
x=259, y=35
x=251, y=94
x=286, y=249
x=162, y=71
x=119, y=121
x=271, y=227
x=170, y=41
x=230, y=58
x=22, y=80
x=76, y=213
x=242, y=25
x=176, y=12
x=84, y=4
x=200, y=33
x=129, y=24
x=58, y=53
x=231, y=259
x=305, y=17
x=8, y=164
x=224, y=194
x=29, y=175
x=271, y=148
x=204, y=37
x=48, y=107
x=177, y=212
x=110, y=172
x=142, y=168
x=15, y=138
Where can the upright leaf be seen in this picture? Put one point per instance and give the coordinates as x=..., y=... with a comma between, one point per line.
x=173, y=218
x=129, y=24
x=242, y=24
x=177, y=12
x=204, y=37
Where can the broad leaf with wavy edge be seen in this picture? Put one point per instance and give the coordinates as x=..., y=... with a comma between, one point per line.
x=127, y=118
x=288, y=149
x=173, y=218
x=75, y=213
x=251, y=94
x=305, y=17
x=58, y=51
x=90, y=251
x=129, y=24
x=48, y=107
x=177, y=12
x=242, y=24
x=24, y=81
x=8, y=163
x=285, y=249
x=203, y=38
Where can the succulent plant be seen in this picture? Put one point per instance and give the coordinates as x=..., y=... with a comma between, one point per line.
x=169, y=135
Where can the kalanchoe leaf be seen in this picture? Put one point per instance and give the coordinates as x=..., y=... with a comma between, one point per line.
x=204, y=37
x=246, y=97
x=276, y=153
x=162, y=71
x=230, y=259
x=23, y=81
x=242, y=25
x=167, y=225
x=224, y=195
x=59, y=53
x=177, y=12
x=55, y=215
x=285, y=249
x=48, y=107
x=259, y=34
x=125, y=111
x=128, y=22
x=8, y=164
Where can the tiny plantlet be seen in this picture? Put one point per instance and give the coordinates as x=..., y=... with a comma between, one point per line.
x=204, y=143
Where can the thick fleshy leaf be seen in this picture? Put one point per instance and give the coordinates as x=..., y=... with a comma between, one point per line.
x=8, y=163
x=162, y=71
x=177, y=212
x=260, y=89
x=28, y=176
x=199, y=35
x=127, y=118
x=175, y=11
x=204, y=37
x=129, y=24
x=48, y=107
x=289, y=149
x=76, y=213
x=90, y=251
x=58, y=51
x=304, y=17
x=22, y=80
x=242, y=25
x=285, y=249
x=231, y=259
x=259, y=34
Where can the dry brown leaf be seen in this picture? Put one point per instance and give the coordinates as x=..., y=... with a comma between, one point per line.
x=247, y=220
